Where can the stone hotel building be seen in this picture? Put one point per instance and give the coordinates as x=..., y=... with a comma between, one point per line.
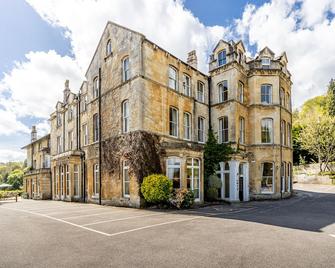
x=142, y=110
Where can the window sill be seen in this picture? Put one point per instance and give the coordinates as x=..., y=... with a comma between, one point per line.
x=95, y=196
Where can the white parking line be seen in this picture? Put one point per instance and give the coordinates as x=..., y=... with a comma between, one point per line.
x=122, y=219
x=96, y=214
x=72, y=211
x=332, y=235
x=60, y=220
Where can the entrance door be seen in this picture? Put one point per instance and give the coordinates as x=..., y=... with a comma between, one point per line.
x=241, y=183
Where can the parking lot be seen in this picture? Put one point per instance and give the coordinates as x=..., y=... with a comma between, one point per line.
x=299, y=230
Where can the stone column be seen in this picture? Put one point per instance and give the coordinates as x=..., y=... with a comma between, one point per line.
x=246, y=189
x=234, y=182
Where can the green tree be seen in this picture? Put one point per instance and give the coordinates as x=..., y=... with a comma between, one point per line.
x=15, y=178
x=300, y=155
x=331, y=98
x=215, y=153
x=318, y=138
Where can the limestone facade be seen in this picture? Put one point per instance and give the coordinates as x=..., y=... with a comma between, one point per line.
x=134, y=86
x=37, y=178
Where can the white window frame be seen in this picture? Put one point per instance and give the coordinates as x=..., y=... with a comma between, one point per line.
x=222, y=60
x=57, y=181
x=173, y=78
x=201, y=129
x=242, y=130
x=96, y=128
x=174, y=166
x=223, y=91
x=125, y=116
x=222, y=173
x=187, y=85
x=125, y=168
x=95, y=87
x=266, y=61
x=283, y=176
x=266, y=96
x=109, y=47
x=187, y=126
x=62, y=181
x=263, y=125
x=125, y=69
x=76, y=180
x=173, y=126
x=193, y=167
x=289, y=176
x=201, y=91
x=241, y=91
x=223, y=130
x=273, y=178
x=96, y=180
x=283, y=132
x=67, y=181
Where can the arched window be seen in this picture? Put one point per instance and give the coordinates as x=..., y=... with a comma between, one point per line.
x=289, y=172
x=201, y=129
x=242, y=130
x=173, y=172
x=95, y=127
x=125, y=69
x=187, y=85
x=95, y=87
x=125, y=116
x=241, y=91
x=173, y=78
x=283, y=176
x=193, y=176
x=267, y=130
x=109, y=47
x=187, y=126
x=223, y=91
x=266, y=94
x=126, y=179
x=173, y=120
x=283, y=132
x=96, y=180
x=222, y=58
x=201, y=91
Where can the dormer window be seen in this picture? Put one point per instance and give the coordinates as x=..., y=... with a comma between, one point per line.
x=222, y=58
x=95, y=87
x=109, y=48
x=266, y=62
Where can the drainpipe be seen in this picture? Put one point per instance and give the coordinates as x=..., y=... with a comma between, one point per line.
x=281, y=146
x=99, y=121
x=209, y=103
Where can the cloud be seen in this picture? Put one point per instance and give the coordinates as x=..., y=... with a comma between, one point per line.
x=305, y=31
x=8, y=155
x=9, y=124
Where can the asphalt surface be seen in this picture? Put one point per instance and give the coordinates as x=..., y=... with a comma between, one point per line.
x=298, y=232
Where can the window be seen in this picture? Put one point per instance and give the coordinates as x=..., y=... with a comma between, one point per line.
x=62, y=180
x=70, y=140
x=173, y=171
x=187, y=85
x=59, y=144
x=222, y=58
x=223, y=91
x=242, y=130
x=59, y=119
x=125, y=116
x=95, y=87
x=85, y=134
x=282, y=175
x=173, y=119
x=76, y=181
x=266, y=94
x=109, y=48
x=289, y=130
x=241, y=91
x=193, y=176
x=57, y=180
x=282, y=97
x=283, y=132
x=187, y=126
x=289, y=171
x=267, y=178
x=267, y=130
x=173, y=78
x=266, y=62
x=223, y=129
x=224, y=174
x=288, y=101
x=96, y=180
x=125, y=69
x=83, y=103
x=126, y=179
x=95, y=128
x=67, y=176
x=201, y=129
x=201, y=92
x=70, y=114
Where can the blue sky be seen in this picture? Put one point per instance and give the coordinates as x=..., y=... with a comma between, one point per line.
x=45, y=42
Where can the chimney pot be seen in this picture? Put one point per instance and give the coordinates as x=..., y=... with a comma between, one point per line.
x=33, y=134
x=192, y=59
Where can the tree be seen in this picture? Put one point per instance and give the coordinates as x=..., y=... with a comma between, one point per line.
x=215, y=153
x=300, y=155
x=15, y=178
x=331, y=98
x=318, y=138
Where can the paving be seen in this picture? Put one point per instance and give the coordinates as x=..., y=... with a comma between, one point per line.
x=297, y=232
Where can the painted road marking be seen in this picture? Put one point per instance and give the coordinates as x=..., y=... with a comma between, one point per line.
x=332, y=235
x=96, y=214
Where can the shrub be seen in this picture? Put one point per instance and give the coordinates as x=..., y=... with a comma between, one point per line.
x=156, y=188
x=182, y=198
x=213, y=184
x=212, y=194
x=8, y=194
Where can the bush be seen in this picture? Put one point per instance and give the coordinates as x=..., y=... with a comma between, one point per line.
x=156, y=188
x=10, y=194
x=213, y=185
x=182, y=198
x=214, y=182
x=212, y=194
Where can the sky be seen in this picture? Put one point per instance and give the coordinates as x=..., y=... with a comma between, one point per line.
x=46, y=42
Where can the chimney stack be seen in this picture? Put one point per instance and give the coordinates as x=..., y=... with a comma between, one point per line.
x=33, y=134
x=192, y=59
x=66, y=91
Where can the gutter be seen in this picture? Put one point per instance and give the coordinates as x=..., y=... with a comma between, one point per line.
x=99, y=121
